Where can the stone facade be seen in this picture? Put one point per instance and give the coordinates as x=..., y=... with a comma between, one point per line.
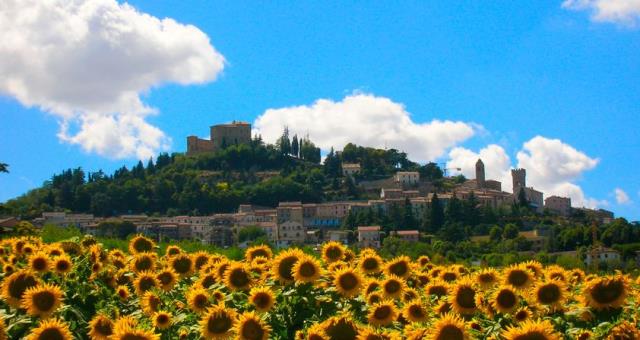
x=559, y=205
x=221, y=135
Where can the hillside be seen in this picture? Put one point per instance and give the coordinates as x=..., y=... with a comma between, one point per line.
x=256, y=173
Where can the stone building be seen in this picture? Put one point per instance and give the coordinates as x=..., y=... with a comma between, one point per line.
x=480, y=176
x=350, y=169
x=369, y=236
x=221, y=135
x=559, y=205
x=407, y=177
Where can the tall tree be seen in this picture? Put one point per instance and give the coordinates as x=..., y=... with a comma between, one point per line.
x=436, y=216
x=285, y=143
x=295, y=147
x=408, y=221
x=454, y=211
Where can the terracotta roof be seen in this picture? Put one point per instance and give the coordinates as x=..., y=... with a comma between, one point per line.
x=369, y=228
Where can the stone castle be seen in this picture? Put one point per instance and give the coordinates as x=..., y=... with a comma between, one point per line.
x=222, y=135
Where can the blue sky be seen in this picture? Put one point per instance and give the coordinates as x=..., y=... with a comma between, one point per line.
x=501, y=73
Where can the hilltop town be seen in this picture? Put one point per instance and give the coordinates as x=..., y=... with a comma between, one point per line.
x=352, y=197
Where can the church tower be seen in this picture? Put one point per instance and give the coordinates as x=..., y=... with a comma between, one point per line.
x=480, y=178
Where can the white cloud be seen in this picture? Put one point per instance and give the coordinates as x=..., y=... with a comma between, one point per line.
x=623, y=12
x=552, y=167
x=366, y=120
x=496, y=162
x=621, y=196
x=88, y=62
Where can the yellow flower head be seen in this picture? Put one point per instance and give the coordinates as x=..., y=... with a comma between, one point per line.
x=382, y=313
x=50, y=329
x=249, y=326
x=217, y=323
x=162, y=320
x=399, y=266
x=542, y=330
x=605, y=292
x=262, y=298
x=238, y=276
x=42, y=300
x=463, y=297
x=141, y=244
x=448, y=327
x=100, y=327
x=306, y=270
x=258, y=251
x=198, y=299
x=283, y=263
x=348, y=282
x=333, y=251
x=14, y=286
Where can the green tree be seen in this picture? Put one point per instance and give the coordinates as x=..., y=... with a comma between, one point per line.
x=251, y=233
x=454, y=211
x=24, y=228
x=510, y=232
x=495, y=233
x=436, y=215
x=408, y=220
x=4, y=167
x=295, y=147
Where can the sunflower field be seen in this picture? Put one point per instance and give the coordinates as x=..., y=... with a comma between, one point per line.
x=80, y=290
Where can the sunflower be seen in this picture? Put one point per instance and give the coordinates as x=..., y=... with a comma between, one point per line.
x=167, y=279
x=141, y=244
x=333, y=251
x=371, y=333
x=448, y=327
x=182, y=264
x=217, y=323
x=162, y=320
x=518, y=276
x=51, y=329
x=449, y=276
x=542, y=330
x=349, y=256
x=606, y=292
x=370, y=263
x=238, y=276
x=374, y=298
x=282, y=268
x=145, y=281
x=409, y=294
x=62, y=264
x=134, y=333
x=249, y=326
x=340, y=327
x=306, y=270
x=463, y=297
x=423, y=260
x=414, y=311
x=382, y=313
x=392, y=287
x=123, y=292
x=535, y=267
x=220, y=268
x=370, y=286
x=523, y=314
x=437, y=288
x=100, y=327
x=486, y=278
x=207, y=280
x=55, y=250
x=143, y=262
x=39, y=262
x=624, y=331
x=556, y=273
x=262, y=298
x=348, y=282
x=258, y=251
x=198, y=299
x=200, y=259
x=14, y=286
x=42, y=300
x=172, y=250
x=550, y=294
x=150, y=303
x=316, y=332
x=399, y=266
x=577, y=276
x=505, y=299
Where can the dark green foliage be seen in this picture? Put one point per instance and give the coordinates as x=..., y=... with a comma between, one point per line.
x=251, y=233
x=4, y=167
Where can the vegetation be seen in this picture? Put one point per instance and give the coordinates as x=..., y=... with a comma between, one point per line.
x=255, y=173
x=84, y=289
x=4, y=167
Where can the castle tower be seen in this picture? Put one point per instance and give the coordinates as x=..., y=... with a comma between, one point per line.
x=480, y=178
x=519, y=177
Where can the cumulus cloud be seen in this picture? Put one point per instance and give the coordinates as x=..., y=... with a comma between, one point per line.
x=623, y=12
x=497, y=163
x=553, y=167
x=89, y=61
x=366, y=120
x=621, y=196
